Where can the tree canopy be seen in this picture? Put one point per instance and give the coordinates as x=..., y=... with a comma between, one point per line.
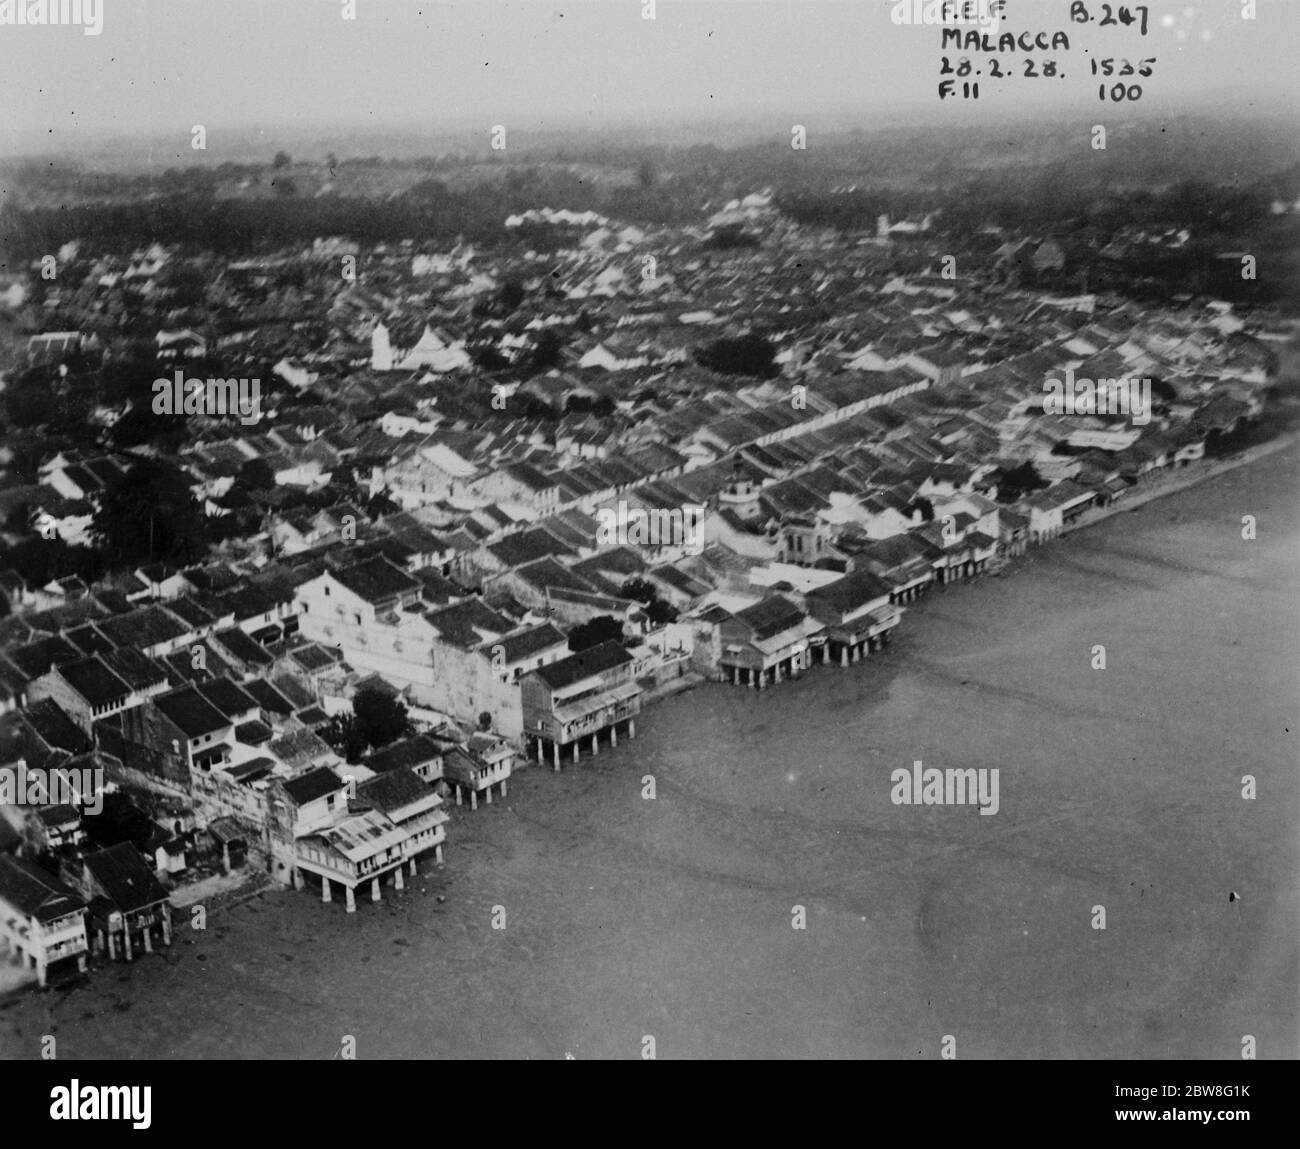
x=1020, y=481
x=602, y=628
x=749, y=354
x=658, y=611
x=150, y=515
x=378, y=718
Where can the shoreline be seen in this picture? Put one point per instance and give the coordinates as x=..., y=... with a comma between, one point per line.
x=1170, y=485
x=672, y=917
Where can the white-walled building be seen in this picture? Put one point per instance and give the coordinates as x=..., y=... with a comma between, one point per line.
x=42, y=921
x=430, y=353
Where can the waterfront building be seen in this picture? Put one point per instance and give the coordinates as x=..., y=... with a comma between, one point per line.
x=422, y=755
x=766, y=641
x=857, y=614
x=905, y=562
x=1051, y=510
x=458, y=660
x=484, y=762
x=363, y=847
x=127, y=905
x=42, y=921
x=579, y=697
x=413, y=806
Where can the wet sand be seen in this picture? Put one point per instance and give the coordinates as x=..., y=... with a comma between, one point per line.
x=627, y=917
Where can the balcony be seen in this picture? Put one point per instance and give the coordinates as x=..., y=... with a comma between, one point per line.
x=66, y=948
x=593, y=713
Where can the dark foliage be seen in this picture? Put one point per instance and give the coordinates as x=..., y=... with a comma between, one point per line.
x=377, y=719
x=603, y=628
x=150, y=515
x=749, y=354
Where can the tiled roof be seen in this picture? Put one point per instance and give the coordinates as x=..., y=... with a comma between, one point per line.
x=254, y=733
x=54, y=726
x=227, y=697
x=527, y=546
x=243, y=647
x=313, y=657
x=526, y=643
x=34, y=893
x=584, y=664
x=136, y=669
x=770, y=617
x=300, y=748
x=125, y=877
x=91, y=679
x=375, y=580
x=292, y=689
x=189, y=611
x=148, y=626
x=88, y=639
x=190, y=711
x=849, y=593
x=35, y=658
x=313, y=784
x=467, y=624
x=408, y=753
x=395, y=788
x=268, y=697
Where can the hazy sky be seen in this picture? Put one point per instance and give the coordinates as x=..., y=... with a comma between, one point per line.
x=164, y=65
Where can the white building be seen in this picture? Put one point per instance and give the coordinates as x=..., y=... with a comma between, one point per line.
x=42, y=921
x=431, y=353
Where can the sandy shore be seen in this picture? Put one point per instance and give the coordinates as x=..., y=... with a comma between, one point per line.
x=672, y=917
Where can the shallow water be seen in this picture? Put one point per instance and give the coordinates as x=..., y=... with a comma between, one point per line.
x=672, y=918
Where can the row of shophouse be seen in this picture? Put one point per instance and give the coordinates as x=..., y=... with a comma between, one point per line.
x=858, y=543
x=821, y=590
x=832, y=499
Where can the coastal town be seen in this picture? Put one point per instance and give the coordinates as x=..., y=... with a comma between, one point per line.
x=459, y=511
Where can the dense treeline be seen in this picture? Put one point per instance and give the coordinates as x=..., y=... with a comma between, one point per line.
x=203, y=206
x=186, y=207
x=231, y=227
x=1222, y=222
x=1051, y=200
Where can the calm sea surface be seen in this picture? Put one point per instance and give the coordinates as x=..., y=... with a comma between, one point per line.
x=626, y=917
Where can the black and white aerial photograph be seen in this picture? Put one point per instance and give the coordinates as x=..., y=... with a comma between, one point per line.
x=649, y=529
